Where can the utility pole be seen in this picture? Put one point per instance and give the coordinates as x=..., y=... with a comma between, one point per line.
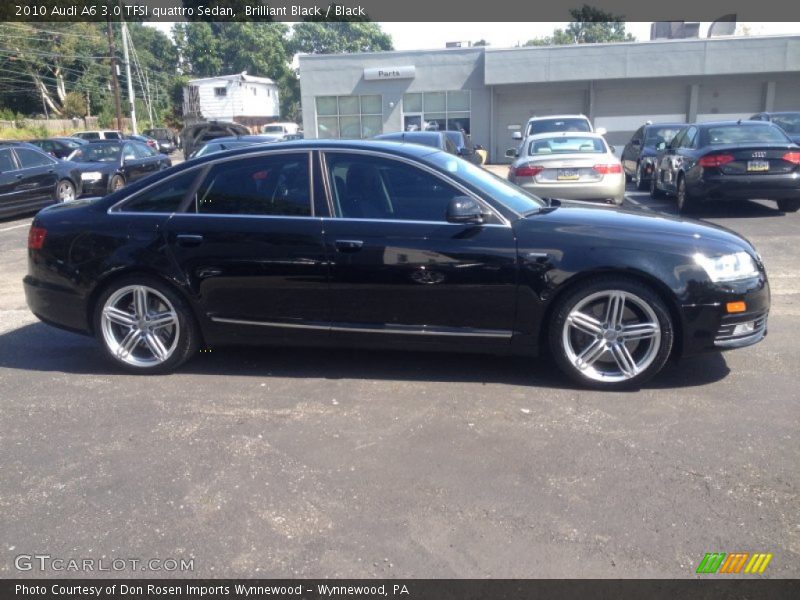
x=131, y=97
x=112, y=51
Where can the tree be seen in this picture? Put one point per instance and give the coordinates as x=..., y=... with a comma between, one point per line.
x=327, y=37
x=74, y=105
x=480, y=43
x=589, y=26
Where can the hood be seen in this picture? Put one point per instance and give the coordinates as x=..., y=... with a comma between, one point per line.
x=637, y=229
x=105, y=167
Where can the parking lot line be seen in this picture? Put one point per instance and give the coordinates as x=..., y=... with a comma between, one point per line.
x=16, y=226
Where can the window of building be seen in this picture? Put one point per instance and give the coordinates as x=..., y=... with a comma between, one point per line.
x=354, y=117
x=220, y=92
x=437, y=111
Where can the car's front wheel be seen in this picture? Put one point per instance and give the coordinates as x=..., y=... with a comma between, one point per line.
x=611, y=333
x=789, y=205
x=65, y=191
x=144, y=326
x=117, y=182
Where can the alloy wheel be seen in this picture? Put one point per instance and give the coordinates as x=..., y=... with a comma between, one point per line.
x=140, y=326
x=65, y=191
x=611, y=336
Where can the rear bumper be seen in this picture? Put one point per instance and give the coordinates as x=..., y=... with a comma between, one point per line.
x=608, y=187
x=56, y=305
x=745, y=187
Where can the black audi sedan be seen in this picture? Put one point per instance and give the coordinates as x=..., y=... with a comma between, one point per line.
x=385, y=245
x=107, y=166
x=639, y=155
x=31, y=179
x=729, y=160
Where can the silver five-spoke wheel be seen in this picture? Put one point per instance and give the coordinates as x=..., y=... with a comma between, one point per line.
x=140, y=326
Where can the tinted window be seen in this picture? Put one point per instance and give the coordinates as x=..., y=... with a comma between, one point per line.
x=30, y=158
x=551, y=125
x=369, y=187
x=96, y=153
x=128, y=152
x=164, y=198
x=6, y=161
x=737, y=134
x=789, y=122
x=89, y=135
x=261, y=185
x=656, y=135
x=143, y=151
x=112, y=135
x=689, y=138
x=567, y=145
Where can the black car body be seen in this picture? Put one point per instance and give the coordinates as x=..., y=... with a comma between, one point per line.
x=167, y=140
x=639, y=155
x=31, y=179
x=729, y=160
x=144, y=139
x=109, y=165
x=789, y=121
x=378, y=245
x=234, y=141
x=57, y=146
x=434, y=139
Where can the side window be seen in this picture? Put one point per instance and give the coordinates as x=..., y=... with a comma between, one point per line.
x=30, y=158
x=677, y=141
x=143, y=151
x=276, y=185
x=112, y=135
x=639, y=135
x=128, y=153
x=371, y=187
x=449, y=146
x=6, y=161
x=689, y=138
x=163, y=198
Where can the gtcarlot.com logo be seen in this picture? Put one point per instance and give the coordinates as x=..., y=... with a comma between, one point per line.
x=45, y=562
x=737, y=562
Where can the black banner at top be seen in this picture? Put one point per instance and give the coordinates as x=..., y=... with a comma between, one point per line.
x=391, y=10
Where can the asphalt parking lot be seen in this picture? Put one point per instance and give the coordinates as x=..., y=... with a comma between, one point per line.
x=314, y=463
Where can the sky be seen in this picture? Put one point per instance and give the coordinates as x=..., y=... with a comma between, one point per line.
x=425, y=36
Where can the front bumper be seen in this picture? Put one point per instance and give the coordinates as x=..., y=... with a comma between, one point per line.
x=95, y=187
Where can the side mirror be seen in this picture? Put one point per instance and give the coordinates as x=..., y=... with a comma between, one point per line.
x=517, y=135
x=463, y=209
x=636, y=142
x=612, y=148
x=512, y=153
x=601, y=130
x=464, y=151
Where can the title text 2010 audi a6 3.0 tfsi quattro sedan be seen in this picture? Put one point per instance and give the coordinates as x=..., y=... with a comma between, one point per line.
x=379, y=244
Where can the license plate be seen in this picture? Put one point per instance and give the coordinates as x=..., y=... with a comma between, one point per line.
x=758, y=165
x=567, y=175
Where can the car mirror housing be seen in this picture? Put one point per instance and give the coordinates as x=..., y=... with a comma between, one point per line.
x=517, y=135
x=463, y=209
x=512, y=153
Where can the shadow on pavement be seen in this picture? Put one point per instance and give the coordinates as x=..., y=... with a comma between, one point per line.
x=39, y=347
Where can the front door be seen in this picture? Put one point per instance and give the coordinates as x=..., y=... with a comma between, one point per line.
x=399, y=268
x=39, y=177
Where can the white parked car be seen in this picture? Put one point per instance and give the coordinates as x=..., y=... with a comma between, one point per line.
x=281, y=129
x=100, y=134
x=568, y=165
x=553, y=123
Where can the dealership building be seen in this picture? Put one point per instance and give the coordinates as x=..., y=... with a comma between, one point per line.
x=492, y=92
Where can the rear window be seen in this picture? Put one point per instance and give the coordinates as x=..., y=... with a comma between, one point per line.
x=552, y=125
x=567, y=145
x=744, y=134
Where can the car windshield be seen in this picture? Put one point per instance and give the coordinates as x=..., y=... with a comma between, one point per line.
x=657, y=135
x=790, y=123
x=501, y=190
x=567, y=145
x=97, y=153
x=740, y=134
x=273, y=129
x=553, y=125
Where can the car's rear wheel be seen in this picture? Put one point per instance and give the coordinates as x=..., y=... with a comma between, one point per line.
x=144, y=326
x=655, y=193
x=789, y=205
x=117, y=182
x=65, y=191
x=685, y=203
x=611, y=333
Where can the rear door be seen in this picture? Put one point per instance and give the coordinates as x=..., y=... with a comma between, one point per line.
x=10, y=177
x=39, y=177
x=400, y=271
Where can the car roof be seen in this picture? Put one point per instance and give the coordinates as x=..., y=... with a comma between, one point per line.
x=552, y=134
x=741, y=122
x=553, y=117
x=665, y=124
x=242, y=138
x=19, y=144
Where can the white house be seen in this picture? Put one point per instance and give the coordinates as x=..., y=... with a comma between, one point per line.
x=242, y=98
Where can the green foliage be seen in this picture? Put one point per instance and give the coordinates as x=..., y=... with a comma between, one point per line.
x=315, y=37
x=589, y=26
x=74, y=105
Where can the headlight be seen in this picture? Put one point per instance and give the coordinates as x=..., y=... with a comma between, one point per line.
x=91, y=176
x=728, y=267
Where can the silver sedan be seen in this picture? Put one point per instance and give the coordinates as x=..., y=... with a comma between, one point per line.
x=568, y=165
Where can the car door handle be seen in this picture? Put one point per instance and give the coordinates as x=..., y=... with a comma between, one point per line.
x=348, y=245
x=189, y=239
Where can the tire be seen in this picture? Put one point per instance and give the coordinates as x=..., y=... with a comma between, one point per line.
x=640, y=184
x=789, y=205
x=133, y=339
x=608, y=358
x=655, y=193
x=686, y=204
x=117, y=182
x=65, y=191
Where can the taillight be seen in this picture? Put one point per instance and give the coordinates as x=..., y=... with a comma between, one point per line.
x=528, y=171
x=36, y=238
x=715, y=160
x=607, y=169
x=792, y=157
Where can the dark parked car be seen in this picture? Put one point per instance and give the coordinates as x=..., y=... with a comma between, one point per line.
x=108, y=166
x=788, y=121
x=143, y=139
x=59, y=147
x=464, y=146
x=167, y=140
x=31, y=179
x=639, y=154
x=235, y=141
x=376, y=245
x=434, y=139
x=194, y=136
x=729, y=160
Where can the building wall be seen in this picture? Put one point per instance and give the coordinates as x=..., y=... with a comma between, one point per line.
x=239, y=100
